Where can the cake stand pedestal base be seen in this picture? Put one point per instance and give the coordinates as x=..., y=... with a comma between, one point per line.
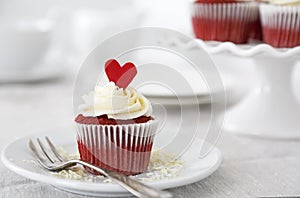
x=271, y=109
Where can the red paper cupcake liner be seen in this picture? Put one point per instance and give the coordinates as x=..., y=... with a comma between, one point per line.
x=224, y=21
x=256, y=31
x=121, y=148
x=281, y=25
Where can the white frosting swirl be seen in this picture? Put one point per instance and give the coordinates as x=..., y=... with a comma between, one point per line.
x=116, y=103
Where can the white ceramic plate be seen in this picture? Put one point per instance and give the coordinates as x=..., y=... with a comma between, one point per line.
x=174, y=101
x=185, y=80
x=201, y=89
x=16, y=155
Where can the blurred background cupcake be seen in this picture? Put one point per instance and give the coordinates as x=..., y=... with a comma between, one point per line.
x=224, y=20
x=281, y=23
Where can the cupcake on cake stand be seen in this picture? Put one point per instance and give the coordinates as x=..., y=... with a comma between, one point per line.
x=270, y=109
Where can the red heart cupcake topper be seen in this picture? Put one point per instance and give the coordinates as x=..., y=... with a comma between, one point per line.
x=121, y=76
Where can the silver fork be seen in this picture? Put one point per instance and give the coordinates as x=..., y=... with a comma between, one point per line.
x=56, y=162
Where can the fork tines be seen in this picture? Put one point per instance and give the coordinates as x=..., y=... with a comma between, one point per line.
x=49, y=153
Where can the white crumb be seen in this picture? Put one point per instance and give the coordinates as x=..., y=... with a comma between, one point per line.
x=161, y=166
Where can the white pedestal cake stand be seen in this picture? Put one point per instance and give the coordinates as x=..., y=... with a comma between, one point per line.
x=271, y=109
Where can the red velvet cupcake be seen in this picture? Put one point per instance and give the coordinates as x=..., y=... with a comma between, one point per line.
x=224, y=20
x=115, y=129
x=281, y=23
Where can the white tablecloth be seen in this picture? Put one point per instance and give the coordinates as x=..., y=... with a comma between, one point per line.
x=250, y=167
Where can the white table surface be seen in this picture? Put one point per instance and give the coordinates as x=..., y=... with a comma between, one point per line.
x=250, y=167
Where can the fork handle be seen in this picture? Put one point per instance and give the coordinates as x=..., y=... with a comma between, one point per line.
x=135, y=187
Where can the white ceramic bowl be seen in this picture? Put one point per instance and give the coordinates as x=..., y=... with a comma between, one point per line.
x=23, y=44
